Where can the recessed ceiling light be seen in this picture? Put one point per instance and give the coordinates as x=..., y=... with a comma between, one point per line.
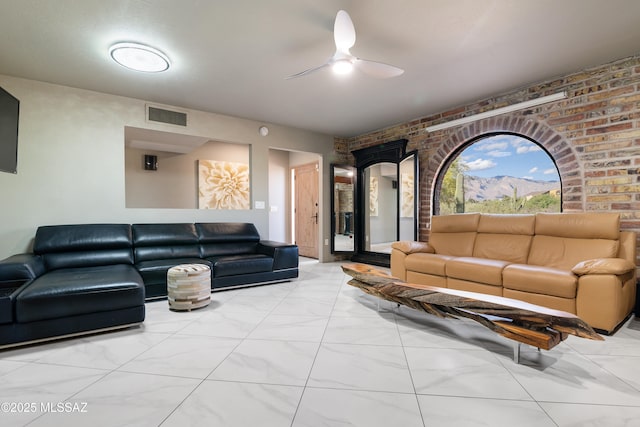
x=139, y=57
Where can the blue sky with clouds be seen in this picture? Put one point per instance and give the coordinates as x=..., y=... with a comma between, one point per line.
x=509, y=155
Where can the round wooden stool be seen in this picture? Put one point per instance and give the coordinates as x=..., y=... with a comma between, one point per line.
x=189, y=286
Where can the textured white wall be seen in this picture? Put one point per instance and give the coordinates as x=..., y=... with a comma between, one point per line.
x=71, y=161
x=279, y=196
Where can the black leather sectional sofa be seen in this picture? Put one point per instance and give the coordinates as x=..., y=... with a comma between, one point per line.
x=84, y=278
x=234, y=252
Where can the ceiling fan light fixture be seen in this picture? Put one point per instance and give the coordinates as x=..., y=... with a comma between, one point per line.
x=139, y=57
x=342, y=61
x=342, y=66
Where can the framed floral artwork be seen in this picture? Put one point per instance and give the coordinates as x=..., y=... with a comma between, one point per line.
x=406, y=195
x=223, y=185
x=373, y=196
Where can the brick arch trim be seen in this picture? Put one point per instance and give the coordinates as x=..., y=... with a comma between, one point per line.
x=562, y=153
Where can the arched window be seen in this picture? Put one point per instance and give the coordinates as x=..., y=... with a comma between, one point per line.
x=499, y=173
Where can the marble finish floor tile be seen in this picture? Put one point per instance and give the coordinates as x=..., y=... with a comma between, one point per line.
x=40, y=384
x=102, y=351
x=362, y=305
x=620, y=344
x=476, y=412
x=316, y=306
x=278, y=290
x=318, y=291
x=380, y=330
x=624, y=367
x=327, y=407
x=183, y=356
x=32, y=353
x=160, y=319
x=291, y=328
x=572, y=415
x=361, y=367
x=572, y=378
x=250, y=303
x=124, y=399
x=7, y=366
x=220, y=403
x=268, y=362
x=316, y=351
x=224, y=325
x=470, y=373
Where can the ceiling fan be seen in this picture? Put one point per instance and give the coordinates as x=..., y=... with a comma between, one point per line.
x=342, y=61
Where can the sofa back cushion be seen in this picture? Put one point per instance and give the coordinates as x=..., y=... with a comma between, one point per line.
x=454, y=234
x=563, y=240
x=227, y=238
x=164, y=241
x=83, y=245
x=504, y=237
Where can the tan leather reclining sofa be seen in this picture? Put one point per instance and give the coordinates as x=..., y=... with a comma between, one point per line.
x=576, y=262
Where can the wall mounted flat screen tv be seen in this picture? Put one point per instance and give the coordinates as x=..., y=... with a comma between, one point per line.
x=9, y=109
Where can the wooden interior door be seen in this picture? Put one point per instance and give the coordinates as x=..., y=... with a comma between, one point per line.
x=306, y=209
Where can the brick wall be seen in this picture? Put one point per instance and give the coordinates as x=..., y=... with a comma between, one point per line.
x=593, y=136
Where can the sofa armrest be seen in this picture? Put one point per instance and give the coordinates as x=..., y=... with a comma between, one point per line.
x=616, y=266
x=409, y=247
x=284, y=255
x=21, y=267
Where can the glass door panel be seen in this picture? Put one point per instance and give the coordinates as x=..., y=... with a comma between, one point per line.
x=407, y=192
x=381, y=198
x=342, y=203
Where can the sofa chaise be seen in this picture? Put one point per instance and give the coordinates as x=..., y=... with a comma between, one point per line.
x=78, y=279
x=580, y=263
x=92, y=277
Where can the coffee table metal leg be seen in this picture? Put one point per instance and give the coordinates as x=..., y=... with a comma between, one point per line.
x=516, y=352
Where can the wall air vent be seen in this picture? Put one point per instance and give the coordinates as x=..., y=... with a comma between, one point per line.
x=155, y=114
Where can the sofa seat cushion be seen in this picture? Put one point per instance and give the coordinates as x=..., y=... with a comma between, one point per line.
x=540, y=280
x=76, y=291
x=155, y=271
x=433, y=264
x=480, y=270
x=240, y=264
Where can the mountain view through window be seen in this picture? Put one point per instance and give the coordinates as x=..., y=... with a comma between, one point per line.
x=501, y=174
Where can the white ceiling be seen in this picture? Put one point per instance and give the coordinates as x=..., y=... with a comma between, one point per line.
x=232, y=57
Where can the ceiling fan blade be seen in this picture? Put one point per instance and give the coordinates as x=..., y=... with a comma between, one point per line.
x=309, y=71
x=378, y=69
x=344, y=33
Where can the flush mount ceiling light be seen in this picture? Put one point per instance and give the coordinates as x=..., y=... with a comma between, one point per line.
x=139, y=57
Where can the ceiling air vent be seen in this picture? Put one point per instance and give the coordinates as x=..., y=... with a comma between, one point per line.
x=155, y=114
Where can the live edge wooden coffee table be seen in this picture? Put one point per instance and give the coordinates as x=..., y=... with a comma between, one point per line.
x=517, y=320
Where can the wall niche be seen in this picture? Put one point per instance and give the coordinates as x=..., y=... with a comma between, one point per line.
x=174, y=184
